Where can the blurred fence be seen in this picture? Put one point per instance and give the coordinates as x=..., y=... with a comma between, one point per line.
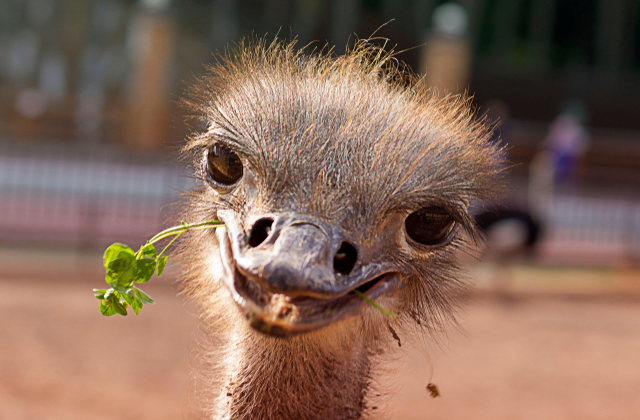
x=86, y=197
x=90, y=196
x=592, y=227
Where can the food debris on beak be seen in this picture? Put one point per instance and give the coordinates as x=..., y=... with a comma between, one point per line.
x=281, y=306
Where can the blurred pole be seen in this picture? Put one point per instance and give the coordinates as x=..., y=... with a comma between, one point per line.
x=540, y=188
x=344, y=22
x=224, y=24
x=151, y=42
x=505, y=28
x=610, y=39
x=306, y=16
x=541, y=31
x=446, y=56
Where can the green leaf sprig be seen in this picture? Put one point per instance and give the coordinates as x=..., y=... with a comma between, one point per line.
x=124, y=268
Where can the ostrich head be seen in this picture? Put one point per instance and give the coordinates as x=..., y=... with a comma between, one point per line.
x=331, y=175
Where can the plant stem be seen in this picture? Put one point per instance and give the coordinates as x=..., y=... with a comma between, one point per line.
x=375, y=305
x=176, y=230
x=169, y=244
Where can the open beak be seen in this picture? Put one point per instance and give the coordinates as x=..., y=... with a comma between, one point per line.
x=293, y=281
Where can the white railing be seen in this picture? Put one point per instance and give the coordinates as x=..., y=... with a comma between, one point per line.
x=83, y=197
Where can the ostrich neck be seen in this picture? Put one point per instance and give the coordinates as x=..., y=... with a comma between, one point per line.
x=324, y=375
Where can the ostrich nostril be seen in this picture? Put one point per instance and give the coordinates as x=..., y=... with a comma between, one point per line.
x=345, y=258
x=260, y=231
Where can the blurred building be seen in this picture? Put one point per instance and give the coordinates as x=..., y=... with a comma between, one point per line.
x=79, y=67
x=106, y=75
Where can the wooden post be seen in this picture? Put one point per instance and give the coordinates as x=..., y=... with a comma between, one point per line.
x=148, y=119
x=447, y=61
x=446, y=56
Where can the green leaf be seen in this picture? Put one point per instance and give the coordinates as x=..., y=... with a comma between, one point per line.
x=148, y=251
x=106, y=308
x=162, y=261
x=119, y=307
x=127, y=297
x=133, y=300
x=99, y=293
x=136, y=305
x=145, y=269
x=144, y=297
x=115, y=253
x=119, y=261
x=123, y=278
x=121, y=289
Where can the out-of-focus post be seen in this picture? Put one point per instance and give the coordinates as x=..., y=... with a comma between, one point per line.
x=446, y=56
x=151, y=48
x=344, y=22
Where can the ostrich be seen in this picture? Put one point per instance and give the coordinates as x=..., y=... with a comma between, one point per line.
x=331, y=174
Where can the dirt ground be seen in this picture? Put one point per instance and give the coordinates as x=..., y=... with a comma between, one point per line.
x=522, y=356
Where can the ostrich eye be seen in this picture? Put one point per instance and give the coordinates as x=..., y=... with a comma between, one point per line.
x=429, y=226
x=223, y=167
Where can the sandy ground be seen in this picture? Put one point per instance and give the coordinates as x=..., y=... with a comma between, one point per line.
x=522, y=356
x=532, y=358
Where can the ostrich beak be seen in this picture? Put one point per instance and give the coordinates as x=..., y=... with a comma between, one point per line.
x=297, y=274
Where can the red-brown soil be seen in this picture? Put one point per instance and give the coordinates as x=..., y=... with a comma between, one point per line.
x=524, y=356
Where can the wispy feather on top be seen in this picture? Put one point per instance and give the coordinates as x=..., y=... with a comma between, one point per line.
x=352, y=134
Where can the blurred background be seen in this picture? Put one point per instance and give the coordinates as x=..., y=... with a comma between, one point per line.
x=89, y=137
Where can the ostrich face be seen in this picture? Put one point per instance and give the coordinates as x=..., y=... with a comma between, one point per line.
x=291, y=270
x=330, y=178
